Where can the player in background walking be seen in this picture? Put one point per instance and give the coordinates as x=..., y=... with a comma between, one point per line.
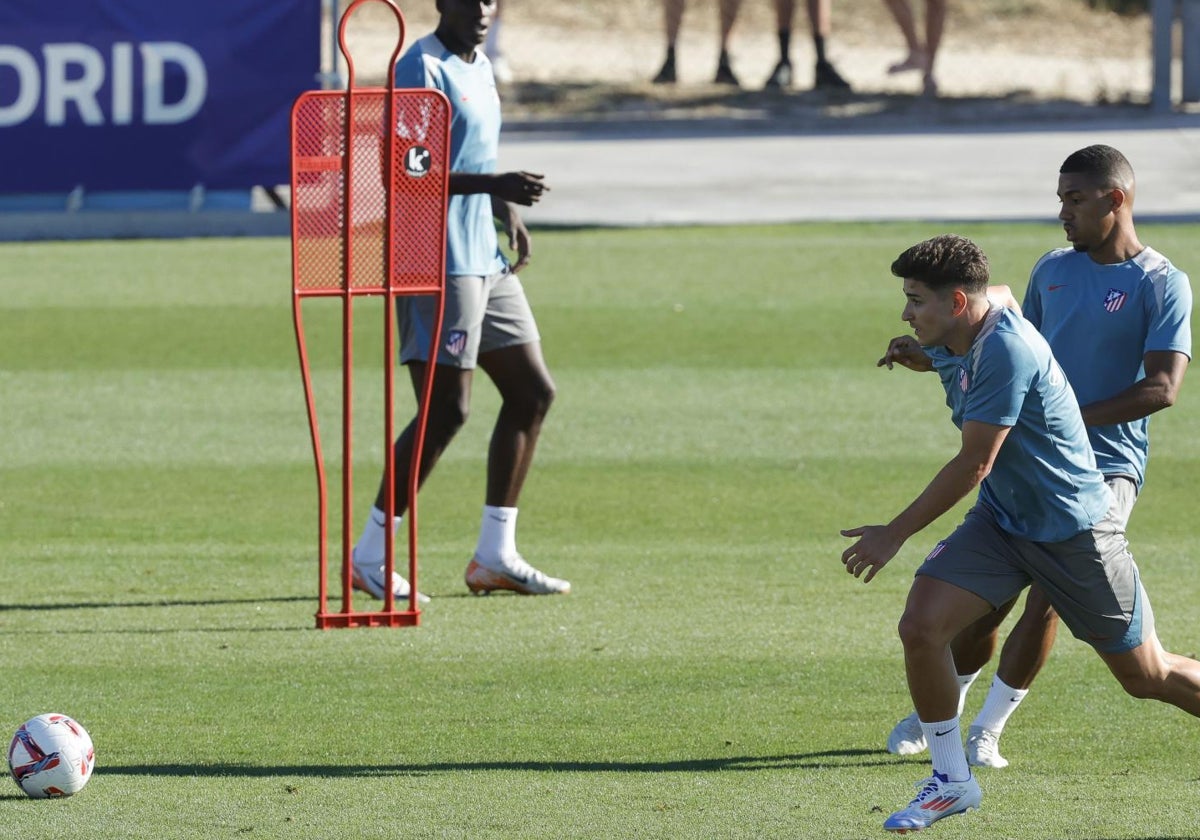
x=488, y=321
x=1117, y=316
x=1043, y=514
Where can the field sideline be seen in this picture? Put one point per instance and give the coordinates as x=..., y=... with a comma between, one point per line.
x=715, y=672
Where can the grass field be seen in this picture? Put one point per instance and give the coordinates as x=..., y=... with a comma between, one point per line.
x=715, y=673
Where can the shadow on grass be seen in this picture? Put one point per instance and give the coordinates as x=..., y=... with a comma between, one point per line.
x=153, y=603
x=830, y=759
x=14, y=610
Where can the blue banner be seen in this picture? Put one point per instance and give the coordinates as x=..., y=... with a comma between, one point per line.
x=152, y=94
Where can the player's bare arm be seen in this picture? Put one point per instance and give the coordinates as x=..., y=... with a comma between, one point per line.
x=878, y=544
x=1003, y=295
x=519, y=239
x=905, y=350
x=524, y=188
x=1158, y=390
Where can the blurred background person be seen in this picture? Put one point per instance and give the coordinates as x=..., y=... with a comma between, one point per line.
x=825, y=75
x=921, y=52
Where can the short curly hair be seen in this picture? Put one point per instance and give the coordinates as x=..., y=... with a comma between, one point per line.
x=944, y=262
x=1103, y=164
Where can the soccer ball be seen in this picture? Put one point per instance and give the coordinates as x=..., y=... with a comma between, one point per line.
x=51, y=755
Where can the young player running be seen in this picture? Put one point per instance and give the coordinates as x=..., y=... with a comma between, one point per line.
x=1043, y=514
x=1117, y=316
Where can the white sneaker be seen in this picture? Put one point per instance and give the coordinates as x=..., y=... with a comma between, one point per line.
x=907, y=737
x=368, y=577
x=938, y=797
x=515, y=576
x=983, y=748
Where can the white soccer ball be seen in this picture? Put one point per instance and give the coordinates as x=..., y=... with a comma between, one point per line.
x=51, y=755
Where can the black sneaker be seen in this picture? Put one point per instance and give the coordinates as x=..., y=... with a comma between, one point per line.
x=781, y=77
x=827, y=77
x=666, y=76
x=725, y=72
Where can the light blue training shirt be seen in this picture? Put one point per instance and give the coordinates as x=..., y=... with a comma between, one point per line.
x=1044, y=485
x=1101, y=320
x=471, y=245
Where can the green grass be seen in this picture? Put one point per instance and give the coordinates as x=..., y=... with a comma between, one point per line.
x=714, y=674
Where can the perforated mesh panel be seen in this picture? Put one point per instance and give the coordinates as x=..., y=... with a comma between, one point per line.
x=322, y=200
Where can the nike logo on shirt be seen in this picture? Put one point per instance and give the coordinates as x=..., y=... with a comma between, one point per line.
x=1056, y=287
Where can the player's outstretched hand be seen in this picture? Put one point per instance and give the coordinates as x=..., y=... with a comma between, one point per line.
x=875, y=547
x=524, y=188
x=905, y=350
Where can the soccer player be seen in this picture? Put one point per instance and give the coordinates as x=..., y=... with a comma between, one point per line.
x=488, y=321
x=1043, y=514
x=1117, y=316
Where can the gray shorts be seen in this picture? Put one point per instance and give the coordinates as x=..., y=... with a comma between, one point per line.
x=1091, y=579
x=481, y=314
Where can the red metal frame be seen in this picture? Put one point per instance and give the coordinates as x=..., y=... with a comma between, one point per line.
x=421, y=211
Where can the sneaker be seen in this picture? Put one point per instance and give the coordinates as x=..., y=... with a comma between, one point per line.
x=907, y=737
x=938, y=797
x=725, y=72
x=368, y=577
x=983, y=748
x=780, y=78
x=826, y=77
x=666, y=76
x=517, y=576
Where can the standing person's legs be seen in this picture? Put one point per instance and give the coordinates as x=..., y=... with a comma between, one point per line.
x=672, y=21
x=785, y=13
x=511, y=355
x=526, y=391
x=449, y=404
x=727, y=12
x=935, y=25
x=825, y=75
x=915, y=60
x=457, y=349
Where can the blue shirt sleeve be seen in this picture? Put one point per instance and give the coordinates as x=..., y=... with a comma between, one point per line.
x=1002, y=373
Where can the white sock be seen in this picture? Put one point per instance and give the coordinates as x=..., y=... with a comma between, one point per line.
x=964, y=683
x=946, y=749
x=1001, y=702
x=371, y=547
x=497, y=535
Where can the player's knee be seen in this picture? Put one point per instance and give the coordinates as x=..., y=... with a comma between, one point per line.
x=448, y=414
x=543, y=397
x=533, y=401
x=917, y=632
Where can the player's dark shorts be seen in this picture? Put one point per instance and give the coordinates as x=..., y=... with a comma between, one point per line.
x=1091, y=578
x=481, y=314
